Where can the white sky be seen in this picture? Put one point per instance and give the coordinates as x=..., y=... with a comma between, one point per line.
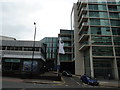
x=18, y=17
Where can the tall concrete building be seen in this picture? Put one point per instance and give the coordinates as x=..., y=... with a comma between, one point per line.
x=97, y=38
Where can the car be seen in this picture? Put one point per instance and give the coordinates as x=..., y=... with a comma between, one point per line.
x=89, y=80
x=66, y=73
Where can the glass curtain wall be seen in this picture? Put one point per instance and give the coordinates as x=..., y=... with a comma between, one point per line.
x=98, y=40
x=87, y=62
x=103, y=67
x=100, y=30
x=102, y=51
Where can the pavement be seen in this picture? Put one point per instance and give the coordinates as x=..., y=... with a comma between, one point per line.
x=105, y=83
x=49, y=78
x=110, y=83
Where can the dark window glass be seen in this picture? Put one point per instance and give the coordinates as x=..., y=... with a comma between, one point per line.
x=114, y=15
x=100, y=30
x=102, y=51
x=117, y=51
x=112, y=8
x=115, y=22
x=116, y=40
x=98, y=40
x=3, y=47
x=116, y=31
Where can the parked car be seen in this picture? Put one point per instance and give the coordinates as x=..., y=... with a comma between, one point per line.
x=66, y=73
x=89, y=80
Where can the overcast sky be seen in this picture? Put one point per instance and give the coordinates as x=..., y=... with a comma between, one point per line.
x=18, y=17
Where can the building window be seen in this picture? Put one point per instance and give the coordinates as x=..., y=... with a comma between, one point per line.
x=116, y=31
x=100, y=30
x=94, y=21
x=3, y=47
x=103, y=67
x=65, y=57
x=18, y=48
x=11, y=64
x=27, y=66
x=93, y=7
x=111, y=1
x=102, y=51
x=97, y=7
x=98, y=40
x=28, y=49
x=112, y=8
x=102, y=14
x=114, y=15
x=117, y=50
x=115, y=22
x=116, y=40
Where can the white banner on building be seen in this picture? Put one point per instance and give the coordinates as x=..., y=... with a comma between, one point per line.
x=61, y=46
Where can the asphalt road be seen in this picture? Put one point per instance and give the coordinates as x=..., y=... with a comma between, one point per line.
x=67, y=82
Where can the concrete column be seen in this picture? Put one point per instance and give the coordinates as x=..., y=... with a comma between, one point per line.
x=79, y=58
x=115, y=69
x=91, y=63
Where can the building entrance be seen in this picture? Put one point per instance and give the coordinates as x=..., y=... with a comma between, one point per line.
x=11, y=65
x=103, y=68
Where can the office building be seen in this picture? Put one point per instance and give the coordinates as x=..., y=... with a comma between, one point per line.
x=96, y=27
x=17, y=56
x=66, y=60
x=51, y=51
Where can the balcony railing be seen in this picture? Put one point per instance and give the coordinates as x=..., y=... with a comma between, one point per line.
x=83, y=24
x=83, y=10
x=84, y=37
x=84, y=45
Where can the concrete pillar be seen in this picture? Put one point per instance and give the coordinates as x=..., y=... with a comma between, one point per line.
x=79, y=58
x=91, y=63
x=115, y=69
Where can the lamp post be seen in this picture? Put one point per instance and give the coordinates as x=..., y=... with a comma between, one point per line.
x=33, y=51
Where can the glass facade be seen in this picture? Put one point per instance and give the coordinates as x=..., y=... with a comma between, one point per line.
x=115, y=31
x=112, y=8
x=97, y=7
x=16, y=48
x=102, y=44
x=115, y=22
x=66, y=36
x=100, y=30
x=51, y=49
x=102, y=22
x=102, y=51
x=98, y=14
x=66, y=57
x=117, y=51
x=114, y=15
x=100, y=40
x=11, y=64
x=87, y=62
x=116, y=40
x=103, y=67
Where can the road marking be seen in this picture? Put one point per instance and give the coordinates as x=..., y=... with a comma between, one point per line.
x=78, y=83
x=75, y=81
